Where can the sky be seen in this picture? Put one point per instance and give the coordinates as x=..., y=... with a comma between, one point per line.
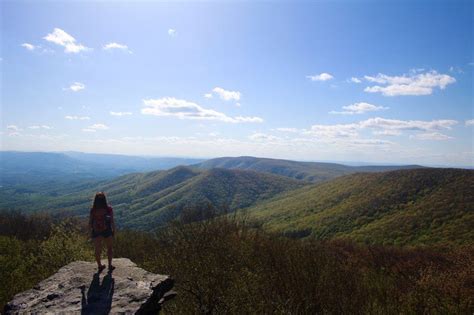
x=374, y=81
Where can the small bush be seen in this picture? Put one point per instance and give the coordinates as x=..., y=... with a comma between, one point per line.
x=27, y=257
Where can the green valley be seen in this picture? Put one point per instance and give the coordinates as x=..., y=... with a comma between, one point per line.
x=147, y=200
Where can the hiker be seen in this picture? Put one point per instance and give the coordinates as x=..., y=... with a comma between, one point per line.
x=102, y=228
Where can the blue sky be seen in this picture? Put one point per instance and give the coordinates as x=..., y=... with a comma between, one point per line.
x=385, y=82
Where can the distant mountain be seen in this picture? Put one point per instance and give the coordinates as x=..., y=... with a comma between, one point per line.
x=421, y=206
x=132, y=163
x=30, y=168
x=41, y=167
x=147, y=200
x=38, y=162
x=309, y=171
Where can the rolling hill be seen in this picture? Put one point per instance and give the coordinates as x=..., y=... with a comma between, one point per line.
x=309, y=171
x=146, y=200
x=420, y=206
x=372, y=204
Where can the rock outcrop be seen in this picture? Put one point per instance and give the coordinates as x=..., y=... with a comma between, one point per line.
x=78, y=288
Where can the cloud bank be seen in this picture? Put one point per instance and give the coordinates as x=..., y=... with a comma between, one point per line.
x=412, y=84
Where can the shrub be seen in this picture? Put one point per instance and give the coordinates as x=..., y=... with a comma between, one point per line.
x=221, y=265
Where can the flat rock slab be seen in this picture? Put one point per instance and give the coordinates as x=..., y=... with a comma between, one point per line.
x=78, y=288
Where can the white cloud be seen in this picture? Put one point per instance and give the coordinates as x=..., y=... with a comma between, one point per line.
x=182, y=109
x=95, y=127
x=355, y=80
x=76, y=87
x=411, y=84
x=263, y=137
x=40, y=127
x=320, y=77
x=285, y=129
x=358, y=108
x=417, y=125
x=120, y=113
x=13, y=128
x=248, y=119
x=370, y=142
x=77, y=117
x=208, y=95
x=28, y=46
x=387, y=132
x=238, y=104
x=431, y=136
x=61, y=38
x=227, y=95
x=469, y=122
x=382, y=126
x=308, y=140
x=172, y=32
x=98, y=127
x=334, y=131
x=111, y=46
x=37, y=48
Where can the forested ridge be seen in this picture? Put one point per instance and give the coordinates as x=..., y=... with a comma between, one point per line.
x=420, y=206
x=309, y=171
x=148, y=200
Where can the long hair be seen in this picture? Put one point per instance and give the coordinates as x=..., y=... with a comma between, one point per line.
x=100, y=201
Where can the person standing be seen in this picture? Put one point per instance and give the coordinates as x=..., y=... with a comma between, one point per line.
x=102, y=228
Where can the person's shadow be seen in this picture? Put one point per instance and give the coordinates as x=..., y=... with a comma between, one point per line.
x=99, y=296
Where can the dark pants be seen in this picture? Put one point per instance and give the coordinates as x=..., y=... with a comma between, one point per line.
x=105, y=233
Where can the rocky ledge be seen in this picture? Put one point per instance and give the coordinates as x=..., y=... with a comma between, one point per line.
x=78, y=288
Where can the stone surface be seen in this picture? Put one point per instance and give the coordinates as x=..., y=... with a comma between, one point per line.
x=78, y=288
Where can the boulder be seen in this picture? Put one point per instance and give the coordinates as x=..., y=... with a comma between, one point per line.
x=78, y=288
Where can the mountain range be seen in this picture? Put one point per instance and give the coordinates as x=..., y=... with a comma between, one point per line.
x=371, y=204
x=309, y=171
x=65, y=167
